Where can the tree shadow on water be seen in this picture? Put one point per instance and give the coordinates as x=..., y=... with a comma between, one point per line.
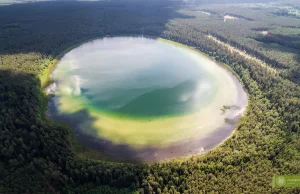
x=31, y=35
x=28, y=138
x=81, y=123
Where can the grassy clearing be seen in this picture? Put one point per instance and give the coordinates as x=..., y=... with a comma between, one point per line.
x=244, y=54
x=45, y=76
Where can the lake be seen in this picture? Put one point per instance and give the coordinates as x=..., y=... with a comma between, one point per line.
x=138, y=98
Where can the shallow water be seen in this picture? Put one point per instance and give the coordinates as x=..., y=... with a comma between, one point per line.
x=144, y=96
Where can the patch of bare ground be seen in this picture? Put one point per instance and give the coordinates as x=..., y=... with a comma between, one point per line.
x=229, y=17
x=244, y=54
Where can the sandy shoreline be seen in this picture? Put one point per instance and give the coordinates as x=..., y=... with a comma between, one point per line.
x=184, y=148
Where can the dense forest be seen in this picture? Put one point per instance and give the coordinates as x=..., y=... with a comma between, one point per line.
x=38, y=156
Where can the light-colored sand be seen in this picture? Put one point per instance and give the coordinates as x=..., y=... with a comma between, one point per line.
x=229, y=17
x=204, y=12
x=166, y=137
x=244, y=54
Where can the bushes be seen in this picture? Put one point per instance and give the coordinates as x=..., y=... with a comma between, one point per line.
x=265, y=143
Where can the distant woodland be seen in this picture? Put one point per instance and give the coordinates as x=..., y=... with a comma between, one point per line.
x=39, y=156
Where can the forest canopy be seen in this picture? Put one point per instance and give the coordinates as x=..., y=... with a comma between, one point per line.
x=40, y=156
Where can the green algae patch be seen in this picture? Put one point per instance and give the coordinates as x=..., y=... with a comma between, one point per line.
x=143, y=93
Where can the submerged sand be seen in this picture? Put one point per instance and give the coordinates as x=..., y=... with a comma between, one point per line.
x=159, y=138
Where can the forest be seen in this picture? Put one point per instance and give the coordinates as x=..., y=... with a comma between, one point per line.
x=40, y=156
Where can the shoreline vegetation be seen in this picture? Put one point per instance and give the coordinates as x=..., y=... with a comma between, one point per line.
x=38, y=156
x=45, y=75
x=85, y=151
x=224, y=65
x=46, y=80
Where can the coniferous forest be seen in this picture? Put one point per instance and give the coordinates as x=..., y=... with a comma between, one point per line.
x=41, y=156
